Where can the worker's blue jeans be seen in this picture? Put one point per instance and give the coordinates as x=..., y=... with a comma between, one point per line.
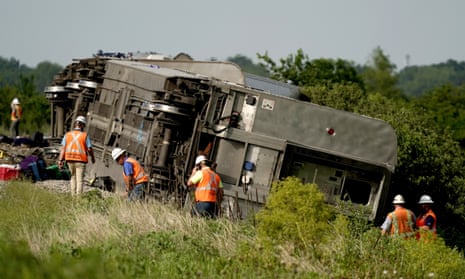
x=137, y=193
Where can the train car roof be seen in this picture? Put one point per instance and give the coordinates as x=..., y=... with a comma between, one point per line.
x=156, y=69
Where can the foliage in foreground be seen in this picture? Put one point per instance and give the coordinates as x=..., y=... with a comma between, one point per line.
x=50, y=235
x=347, y=246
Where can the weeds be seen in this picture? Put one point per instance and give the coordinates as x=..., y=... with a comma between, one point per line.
x=50, y=235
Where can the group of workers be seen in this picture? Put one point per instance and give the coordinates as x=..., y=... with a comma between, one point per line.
x=77, y=148
x=403, y=222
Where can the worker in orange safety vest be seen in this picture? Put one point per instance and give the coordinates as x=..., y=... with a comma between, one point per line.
x=401, y=221
x=134, y=175
x=426, y=221
x=208, y=188
x=16, y=116
x=75, y=151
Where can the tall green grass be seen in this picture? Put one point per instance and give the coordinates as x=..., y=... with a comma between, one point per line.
x=44, y=234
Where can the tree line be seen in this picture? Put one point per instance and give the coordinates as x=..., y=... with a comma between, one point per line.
x=427, y=115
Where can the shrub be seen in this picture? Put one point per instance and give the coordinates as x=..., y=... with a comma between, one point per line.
x=294, y=212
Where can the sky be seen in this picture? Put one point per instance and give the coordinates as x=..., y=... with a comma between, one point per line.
x=409, y=32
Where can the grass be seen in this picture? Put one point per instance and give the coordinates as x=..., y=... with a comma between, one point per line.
x=45, y=234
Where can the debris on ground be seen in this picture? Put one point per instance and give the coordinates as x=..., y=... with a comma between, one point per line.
x=30, y=159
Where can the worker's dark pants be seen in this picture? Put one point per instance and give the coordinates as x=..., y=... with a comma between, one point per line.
x=38, y=169
x=14, y=129
x=204, y=209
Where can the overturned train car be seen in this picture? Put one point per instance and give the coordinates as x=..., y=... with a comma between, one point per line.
x=164, y=112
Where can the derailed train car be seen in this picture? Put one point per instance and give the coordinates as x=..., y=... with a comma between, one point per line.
x=165, y=112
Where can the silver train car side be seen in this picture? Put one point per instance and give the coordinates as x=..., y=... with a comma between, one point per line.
x=164, y=112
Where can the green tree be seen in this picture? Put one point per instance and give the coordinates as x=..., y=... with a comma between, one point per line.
x=429, y=160
x=36, y=109
x=12, y=70
x=446, y=107
x=27, y=84
x=44, y=74
x=247, y=65
x=415, y=81
x=302, y=71
x=348, y=97
x=379, y=75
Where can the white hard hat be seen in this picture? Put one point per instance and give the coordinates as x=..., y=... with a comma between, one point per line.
x=81, y=119
x=116, y=153
x=200, y=159
x=398, y=199
x=15, y=101
x=425, y=199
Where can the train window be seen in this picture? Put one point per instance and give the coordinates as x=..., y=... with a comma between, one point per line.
x=356, y=191
x=251, y=100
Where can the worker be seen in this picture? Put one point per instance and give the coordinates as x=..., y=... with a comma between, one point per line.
x=208, y=188
x=16, y=116
x=134, y=175
x=399, y=222
x=426, y=221
x=76, y=151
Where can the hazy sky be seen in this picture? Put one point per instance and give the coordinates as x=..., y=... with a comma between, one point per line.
x=428, y=31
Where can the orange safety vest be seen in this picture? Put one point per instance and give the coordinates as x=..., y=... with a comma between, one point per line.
x=75, y=148
x=421, y=222
x=208, y=186
x=16, y=113
x=139, y=173
x=402, y=222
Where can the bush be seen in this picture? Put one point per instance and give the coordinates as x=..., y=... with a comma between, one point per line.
x=296, y=213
